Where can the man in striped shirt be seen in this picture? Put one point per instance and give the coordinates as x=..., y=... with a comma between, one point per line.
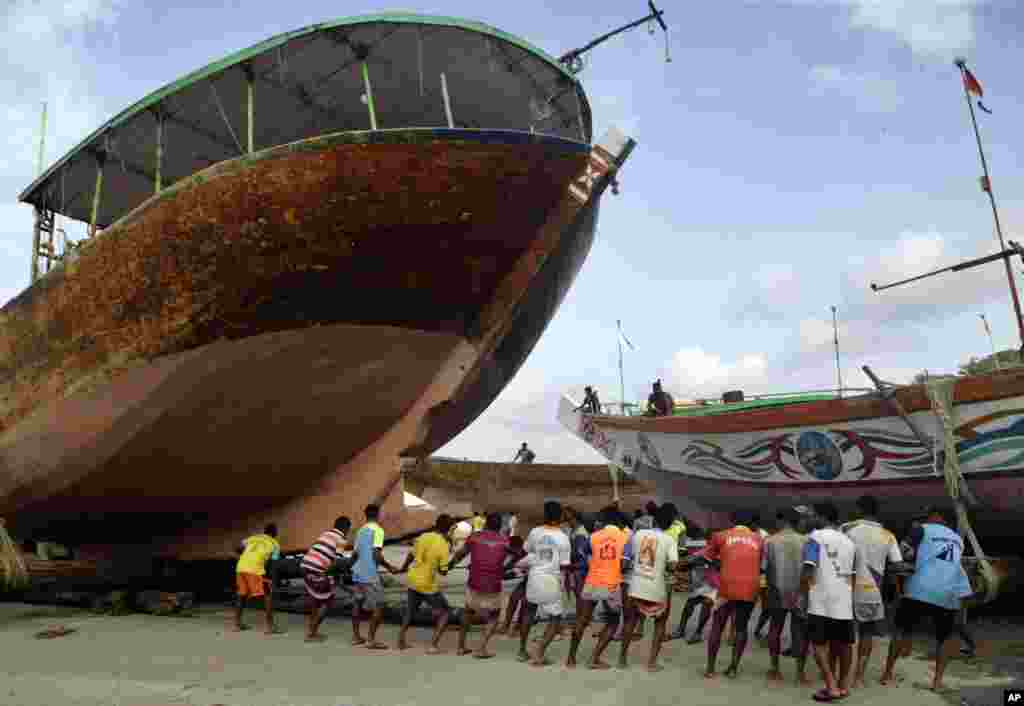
x=318, y=566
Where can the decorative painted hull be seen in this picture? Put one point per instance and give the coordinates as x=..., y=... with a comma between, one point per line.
x=836, y=450
x=265, y=340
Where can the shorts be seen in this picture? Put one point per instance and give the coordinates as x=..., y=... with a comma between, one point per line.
x=368, y=596
x=319, y=587
x=649, y=609
x=552, y=609
x=822, y=630
x=251, y=585
x=611, y=598
x=414, y=599
x=910, y=612
x=545, y=592
x=870, y=619
x=738, y=610
x=483, y=602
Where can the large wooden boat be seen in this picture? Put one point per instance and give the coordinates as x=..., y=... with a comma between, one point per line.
x=312, y=259
x=778, y=451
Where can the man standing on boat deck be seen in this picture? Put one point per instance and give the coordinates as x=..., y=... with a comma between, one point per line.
x=548, y=554
x=783, y=566
x=659, y=402
x=831, y=564
x=367, y=586
x=251, y=575
x=935, y=589
x=487, y=550
x=427, y=561
x=317, y=566
x=739, y=552
x=877, y=547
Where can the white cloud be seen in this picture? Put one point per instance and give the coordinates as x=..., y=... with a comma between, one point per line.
x=40, y=60
x=871, y=93
x=694, y=372
x=931, y=28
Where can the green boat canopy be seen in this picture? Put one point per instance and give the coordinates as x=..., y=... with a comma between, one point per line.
x=382, y=71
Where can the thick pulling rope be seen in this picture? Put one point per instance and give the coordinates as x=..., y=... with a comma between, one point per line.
x=13, y=570
x=940, y=392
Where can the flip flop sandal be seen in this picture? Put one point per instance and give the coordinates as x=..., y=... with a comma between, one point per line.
x=823, y=696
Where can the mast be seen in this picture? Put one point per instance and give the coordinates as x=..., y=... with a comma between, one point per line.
x=622, y=377
x=835, y=335
x=986, y=185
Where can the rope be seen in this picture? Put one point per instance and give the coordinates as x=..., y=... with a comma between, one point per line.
x=213, y=89
x=940, y=392
x=613, y=471
x=13, y=570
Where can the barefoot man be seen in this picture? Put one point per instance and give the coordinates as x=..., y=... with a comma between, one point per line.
x=935, y=589
x=877, y=547
x=603, y=584
x=702, y=590
x=738, y=551
x=487, y=550
x=251, y=575
x=831, y=564
x=547, y=556
x=367, y=585
x=426, y=563
x=655, y=554
x=317, y=566
x=518, y=595
x=783, y=559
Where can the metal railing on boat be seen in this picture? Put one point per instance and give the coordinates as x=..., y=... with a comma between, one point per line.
x=633, y=409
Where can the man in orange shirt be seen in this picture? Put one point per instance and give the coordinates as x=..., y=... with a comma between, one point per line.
x=739, y=552
x=603, y=584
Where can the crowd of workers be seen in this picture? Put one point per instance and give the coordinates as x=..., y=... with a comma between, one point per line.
x=826, y=579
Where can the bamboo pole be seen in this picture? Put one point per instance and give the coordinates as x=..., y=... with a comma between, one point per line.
x=447, y=101
x=250, y=103
x=100, y=159
x=369, y=96
x=36, y=232
x=158, y=180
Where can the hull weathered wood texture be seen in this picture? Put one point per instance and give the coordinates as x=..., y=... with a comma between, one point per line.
x=265, y=339
x=835, y=450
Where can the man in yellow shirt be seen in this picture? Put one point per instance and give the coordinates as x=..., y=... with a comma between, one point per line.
x=478, y=521
x=251, y=575
x=426, y=563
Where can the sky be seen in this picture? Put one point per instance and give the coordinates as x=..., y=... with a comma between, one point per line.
x=789, y=155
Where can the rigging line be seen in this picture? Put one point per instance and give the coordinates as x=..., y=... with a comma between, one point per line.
x=224, y=115
x=419, y=57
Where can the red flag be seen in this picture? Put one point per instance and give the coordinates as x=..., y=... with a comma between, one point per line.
x=972, y=84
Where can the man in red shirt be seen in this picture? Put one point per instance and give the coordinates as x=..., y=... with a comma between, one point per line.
x=739, y=552
x=487, y=550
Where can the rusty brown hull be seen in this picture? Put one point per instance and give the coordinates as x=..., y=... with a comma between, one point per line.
x=264, y=340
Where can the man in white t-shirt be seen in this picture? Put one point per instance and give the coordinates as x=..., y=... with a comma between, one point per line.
x=877, y=547
x=655, y=554
x=831, y=563
x=548, y=556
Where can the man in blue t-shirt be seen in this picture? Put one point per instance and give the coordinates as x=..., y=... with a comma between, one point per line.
x=367, y=586
x=936, y=589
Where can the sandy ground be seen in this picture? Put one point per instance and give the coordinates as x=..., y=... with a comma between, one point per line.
x=141, y=660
